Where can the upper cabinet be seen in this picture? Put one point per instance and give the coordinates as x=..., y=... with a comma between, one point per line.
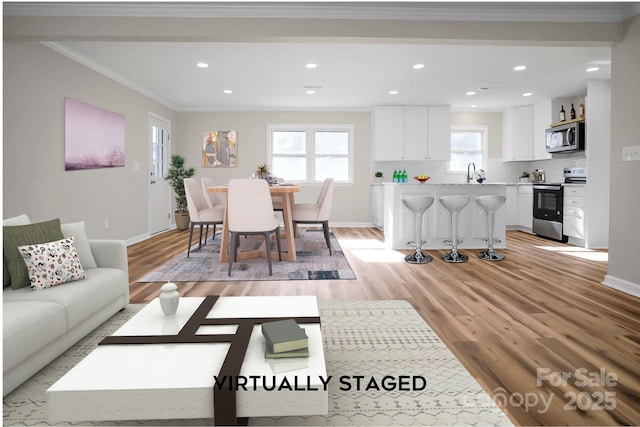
x=411, y=133
x=525, y=132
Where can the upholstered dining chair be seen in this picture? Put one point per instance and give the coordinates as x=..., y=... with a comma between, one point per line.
x=250, y=211
x=199, y=211
x=316, y=213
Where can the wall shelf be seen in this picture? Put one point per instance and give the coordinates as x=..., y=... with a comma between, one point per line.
x=566, y=122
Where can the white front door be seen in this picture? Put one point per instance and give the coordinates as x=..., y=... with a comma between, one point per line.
x=159, y=190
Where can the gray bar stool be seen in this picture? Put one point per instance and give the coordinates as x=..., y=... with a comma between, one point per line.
x=419, y=205
x=490, y=204
x=454, y=204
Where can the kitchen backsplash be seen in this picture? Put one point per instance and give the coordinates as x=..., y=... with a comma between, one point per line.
x=496, y=169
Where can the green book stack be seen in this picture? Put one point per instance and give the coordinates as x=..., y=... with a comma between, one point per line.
x=285, y=338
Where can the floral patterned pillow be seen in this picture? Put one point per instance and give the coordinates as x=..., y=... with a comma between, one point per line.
x=52, y=263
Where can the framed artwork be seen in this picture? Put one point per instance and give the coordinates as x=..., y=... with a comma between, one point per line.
x=93, y=136
x=220, y=149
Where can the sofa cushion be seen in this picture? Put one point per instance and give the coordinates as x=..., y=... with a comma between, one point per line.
x=28, y=326
x=76, y=230
x=16, y=220
x=53, y=263
x=19, y=235
x=81, y=298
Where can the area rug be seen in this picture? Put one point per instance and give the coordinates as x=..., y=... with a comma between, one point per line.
x=361, y=338
x=313, y=262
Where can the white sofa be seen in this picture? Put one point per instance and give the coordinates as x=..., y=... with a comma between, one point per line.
x=40, y=325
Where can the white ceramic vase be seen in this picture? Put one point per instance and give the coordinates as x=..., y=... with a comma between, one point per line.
x=169, y=299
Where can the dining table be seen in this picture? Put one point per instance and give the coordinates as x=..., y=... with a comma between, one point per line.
x=286, y=191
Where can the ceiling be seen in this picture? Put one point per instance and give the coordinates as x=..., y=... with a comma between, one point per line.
x=273, y=76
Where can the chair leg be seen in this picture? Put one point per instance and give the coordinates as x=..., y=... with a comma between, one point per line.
x=278, y=243
x=233, y=249
x=295, y=229
x=190, y=237
x=213, y=237
x=200, y=240
x=267, y=244
x=206, y=234
x=325, y=228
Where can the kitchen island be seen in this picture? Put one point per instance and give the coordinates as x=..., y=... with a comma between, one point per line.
x=399, y=221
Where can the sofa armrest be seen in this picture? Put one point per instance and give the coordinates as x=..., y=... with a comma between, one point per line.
x=110, y=253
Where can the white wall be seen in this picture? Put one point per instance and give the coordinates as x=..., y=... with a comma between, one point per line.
x=36, y=80
x=351, y=203
x=624, y=228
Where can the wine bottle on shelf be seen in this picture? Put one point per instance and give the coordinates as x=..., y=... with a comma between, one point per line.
x=573, y=112
x=581, y=109
x=563, y=115
x=404, y=175
x=395, y=175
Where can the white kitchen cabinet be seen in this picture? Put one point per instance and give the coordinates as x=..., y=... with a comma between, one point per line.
x=411, y=133
x=525, y=207
x=511, y=205
x=439, y=133
x=524, y=132
x=518, y=133
x=388, y=133
x=542, y=119
x=574, y=211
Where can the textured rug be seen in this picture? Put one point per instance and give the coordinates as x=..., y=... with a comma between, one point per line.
x=368, y=338
x=313, y=262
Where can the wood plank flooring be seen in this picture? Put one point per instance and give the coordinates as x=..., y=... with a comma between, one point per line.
x=518, y=325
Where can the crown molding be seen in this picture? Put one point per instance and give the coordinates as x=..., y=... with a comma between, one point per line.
x=412, y=11
x=74, y=55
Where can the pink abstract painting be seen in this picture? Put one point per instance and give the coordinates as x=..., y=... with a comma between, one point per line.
x=94, y=137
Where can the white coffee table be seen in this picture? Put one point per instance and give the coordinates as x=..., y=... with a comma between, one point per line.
x=176, y=381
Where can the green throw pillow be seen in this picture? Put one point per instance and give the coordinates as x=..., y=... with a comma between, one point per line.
x=20, y=235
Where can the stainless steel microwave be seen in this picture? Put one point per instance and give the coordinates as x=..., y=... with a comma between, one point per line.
x=565, y=138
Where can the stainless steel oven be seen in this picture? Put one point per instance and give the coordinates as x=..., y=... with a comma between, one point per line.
x=547, y=211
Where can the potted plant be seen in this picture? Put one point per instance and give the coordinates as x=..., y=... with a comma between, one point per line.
x=176, y=175
x=524, y=177
x=262, y=171
x=378, y=175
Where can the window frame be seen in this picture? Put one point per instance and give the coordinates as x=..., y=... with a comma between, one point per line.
x=484, y=141
x=310, y=129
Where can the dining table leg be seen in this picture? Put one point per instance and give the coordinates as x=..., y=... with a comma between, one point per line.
x=287, y=208
x=224, y=239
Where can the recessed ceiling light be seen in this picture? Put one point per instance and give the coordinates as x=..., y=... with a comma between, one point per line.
x=527, y=94
x=473, y=106
x=519, y=67
x=393, y=92
x=311, y=92
x=202, y=65
x=471, y=92
x=592, y=69
x=228, y=91
x=418, y=66
x=311, y=65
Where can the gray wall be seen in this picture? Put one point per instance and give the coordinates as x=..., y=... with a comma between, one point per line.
x=351, y=203
x=36, y=80
x=624, y=225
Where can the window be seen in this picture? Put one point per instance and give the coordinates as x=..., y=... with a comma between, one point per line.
x=467, y=146
x=311, y=153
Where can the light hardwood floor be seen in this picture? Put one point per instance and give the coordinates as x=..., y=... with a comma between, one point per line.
x=539, y=314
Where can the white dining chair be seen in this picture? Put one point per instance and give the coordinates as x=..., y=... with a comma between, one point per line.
x=199, y=211
x=250, y=212
x=316, y=213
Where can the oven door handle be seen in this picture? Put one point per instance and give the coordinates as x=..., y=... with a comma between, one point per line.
x=547, y=187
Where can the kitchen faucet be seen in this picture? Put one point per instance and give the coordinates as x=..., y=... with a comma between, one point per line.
x=469, y=177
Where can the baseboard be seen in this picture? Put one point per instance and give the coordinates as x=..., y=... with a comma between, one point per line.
x=137, y=239
x=622, y=285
